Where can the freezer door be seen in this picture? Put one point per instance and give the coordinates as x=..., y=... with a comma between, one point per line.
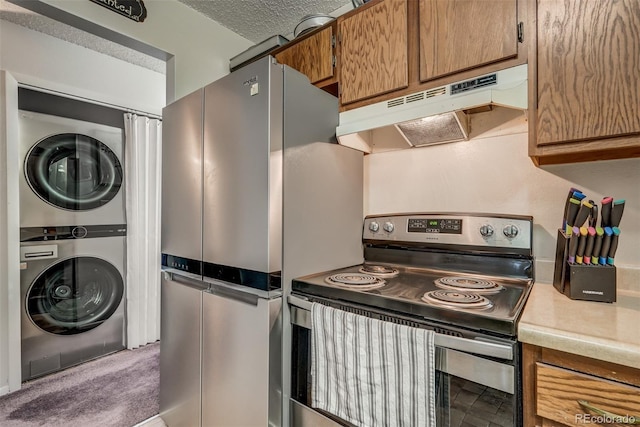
x=180, y=353
x=241, y=372
x=243, y=169
x=182, y=177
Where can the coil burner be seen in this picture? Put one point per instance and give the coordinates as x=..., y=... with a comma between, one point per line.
x=359, y=281
x=468, y=285
x=456, y=299
x=379, y=270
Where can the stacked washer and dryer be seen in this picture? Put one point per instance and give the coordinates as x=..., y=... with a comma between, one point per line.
x=73, y=242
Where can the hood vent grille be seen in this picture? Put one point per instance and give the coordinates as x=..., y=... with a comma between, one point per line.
x=436, y=92
x=372, y=127
x=395, y=102
x=415, y=97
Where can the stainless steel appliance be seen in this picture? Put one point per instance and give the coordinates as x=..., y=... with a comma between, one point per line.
x=465, y=276
x=72, y=172
x=250, y=164
x=72, y=295
x=180, y=350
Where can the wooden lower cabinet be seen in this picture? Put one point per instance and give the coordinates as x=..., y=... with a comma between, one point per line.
x=562, y=389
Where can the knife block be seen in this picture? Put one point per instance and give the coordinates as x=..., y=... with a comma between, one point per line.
x=582, y=281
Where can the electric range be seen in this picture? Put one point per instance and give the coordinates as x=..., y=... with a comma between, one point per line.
x=469, y=270
x=464, y=276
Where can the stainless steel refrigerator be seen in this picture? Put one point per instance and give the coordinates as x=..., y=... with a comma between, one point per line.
x=258, y=195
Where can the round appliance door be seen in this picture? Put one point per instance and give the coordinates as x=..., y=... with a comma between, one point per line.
x=73, y=171
x=74, y=295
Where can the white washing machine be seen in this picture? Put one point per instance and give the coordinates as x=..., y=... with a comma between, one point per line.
x=72, y=172
x=72, y=296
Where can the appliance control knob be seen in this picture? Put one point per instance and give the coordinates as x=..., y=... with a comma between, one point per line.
x=374, y=227
x=388, y=227
x=510, y=231
x=486, y=230
x=79, y=232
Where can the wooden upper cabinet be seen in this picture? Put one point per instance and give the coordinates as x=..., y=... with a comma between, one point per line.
x=313, y=56
x=588, y=76
x=456, y=35
x=373, y=50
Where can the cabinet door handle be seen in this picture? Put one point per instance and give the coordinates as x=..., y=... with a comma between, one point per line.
x=622, y=419
x=520, y=32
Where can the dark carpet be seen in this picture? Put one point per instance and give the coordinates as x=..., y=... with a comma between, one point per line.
x=119, y=390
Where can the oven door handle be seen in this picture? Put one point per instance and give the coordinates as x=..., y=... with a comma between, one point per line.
x=301, y=316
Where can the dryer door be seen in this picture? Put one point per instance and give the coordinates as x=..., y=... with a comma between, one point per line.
x=73, y=171
x=74, y=295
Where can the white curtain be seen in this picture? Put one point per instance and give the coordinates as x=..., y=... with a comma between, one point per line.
x=143, y=158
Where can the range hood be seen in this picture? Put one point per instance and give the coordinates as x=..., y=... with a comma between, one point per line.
x=433, y=116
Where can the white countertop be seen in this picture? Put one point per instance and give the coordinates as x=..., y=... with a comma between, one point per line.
x=603, y=331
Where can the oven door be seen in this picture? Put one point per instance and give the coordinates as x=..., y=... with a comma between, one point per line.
x=477, y=380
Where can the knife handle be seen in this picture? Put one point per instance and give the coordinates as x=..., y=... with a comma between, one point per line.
x=577, y=194
x=566, y=206
x=572, y=212
x=614, y=245
x=582, y=243
x=616, y=212
x=605, y=220
x=606, y=243
x=597, y=245
x=591, y=239
x=573, y=245
x=593, y=217
x=583, y=213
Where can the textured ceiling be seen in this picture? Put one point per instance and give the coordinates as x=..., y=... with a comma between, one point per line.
x=257, y=20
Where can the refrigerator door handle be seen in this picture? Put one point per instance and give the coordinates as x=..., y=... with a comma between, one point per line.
x=237, y=295
x=184, y=280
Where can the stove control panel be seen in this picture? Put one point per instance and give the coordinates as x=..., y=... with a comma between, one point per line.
x=502, y=231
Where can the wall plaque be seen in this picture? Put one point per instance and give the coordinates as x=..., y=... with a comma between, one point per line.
x=132, y=9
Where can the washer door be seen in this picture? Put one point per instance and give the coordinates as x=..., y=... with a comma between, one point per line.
x=74, y=295
x=73, y=171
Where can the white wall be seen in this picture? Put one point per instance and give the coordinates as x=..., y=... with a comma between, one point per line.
x=40, y=60
x=9, y=241
x=493, y=174
x=44, y=61
x=201, y=47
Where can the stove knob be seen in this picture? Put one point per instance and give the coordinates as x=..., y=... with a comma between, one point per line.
x=374, y=227
x=486, y=230
x=388, y=227
x=510, y=231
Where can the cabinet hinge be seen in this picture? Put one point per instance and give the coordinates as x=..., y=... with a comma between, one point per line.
x=521, y=32
x=333, y=61
x=333, y=41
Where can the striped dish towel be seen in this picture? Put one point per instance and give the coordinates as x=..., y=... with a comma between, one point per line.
x=372, y=373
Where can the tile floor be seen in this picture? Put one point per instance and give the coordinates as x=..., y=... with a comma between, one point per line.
x=473, y=405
